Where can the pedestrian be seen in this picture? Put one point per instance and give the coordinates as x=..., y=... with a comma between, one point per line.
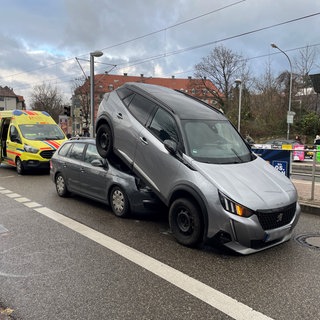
x=297, y=139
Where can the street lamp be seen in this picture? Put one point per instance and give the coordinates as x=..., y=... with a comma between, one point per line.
x=289, y=115
x=239, y=83
x=92, y=55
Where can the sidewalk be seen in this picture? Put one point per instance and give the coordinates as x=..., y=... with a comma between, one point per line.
x=304, y=193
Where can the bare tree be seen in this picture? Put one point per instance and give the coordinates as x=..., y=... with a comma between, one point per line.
x=304, y=63
x=47, y=98
x=222, y=67
x=269, y=108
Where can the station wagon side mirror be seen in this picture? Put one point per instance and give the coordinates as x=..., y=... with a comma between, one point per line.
x=99, y=163
x=171, y=146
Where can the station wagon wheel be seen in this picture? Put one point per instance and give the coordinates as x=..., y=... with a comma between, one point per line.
x=119, y=202
x=186, y=222
x=61, y=186
x=19, y=166
x=104, y=140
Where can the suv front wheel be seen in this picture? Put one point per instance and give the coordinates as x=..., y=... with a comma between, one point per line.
x=104, y=140
x=186, y=222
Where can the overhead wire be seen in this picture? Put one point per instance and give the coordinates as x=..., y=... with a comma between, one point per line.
x=133, y=39
x=175, y=52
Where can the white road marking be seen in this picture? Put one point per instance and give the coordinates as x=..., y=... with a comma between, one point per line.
x=5, y=191
x=23, y=199
x=218, y=300
x=32, y=204
x=13, y=195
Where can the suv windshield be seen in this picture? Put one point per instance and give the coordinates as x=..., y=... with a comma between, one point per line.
x=41, y=132
x=214, y=141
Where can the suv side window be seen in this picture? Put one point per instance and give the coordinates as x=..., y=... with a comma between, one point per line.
x=141, y=108
x=164, y=126
x=77, y=151
x=124, y=92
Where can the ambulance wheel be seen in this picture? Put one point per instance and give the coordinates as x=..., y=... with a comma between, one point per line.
x=19, y=166
x=104, y=140
x=61, y=186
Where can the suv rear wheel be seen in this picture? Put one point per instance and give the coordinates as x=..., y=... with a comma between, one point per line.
x=104, y=140
x=186, y=222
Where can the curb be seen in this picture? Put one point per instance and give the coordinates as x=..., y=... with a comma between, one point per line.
x=309, y=208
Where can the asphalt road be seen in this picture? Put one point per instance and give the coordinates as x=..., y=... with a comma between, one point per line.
x=73, y=259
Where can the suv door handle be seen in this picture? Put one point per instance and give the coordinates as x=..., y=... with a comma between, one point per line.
x=143, y=140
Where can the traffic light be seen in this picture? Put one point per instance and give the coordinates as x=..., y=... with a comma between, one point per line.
x=66, y=111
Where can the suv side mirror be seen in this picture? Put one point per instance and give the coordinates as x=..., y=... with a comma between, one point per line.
x=171, y=146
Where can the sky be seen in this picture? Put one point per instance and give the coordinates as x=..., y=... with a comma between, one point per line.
x=50, y=41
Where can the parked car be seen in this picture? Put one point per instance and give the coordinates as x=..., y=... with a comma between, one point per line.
x=194, y=159
x=78, y=168
x=278, y=143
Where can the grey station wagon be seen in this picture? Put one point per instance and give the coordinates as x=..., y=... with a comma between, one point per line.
x=78, y=168
x=193, y=158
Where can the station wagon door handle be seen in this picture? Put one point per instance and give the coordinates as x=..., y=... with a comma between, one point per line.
x=119, y=115
x=143, y=140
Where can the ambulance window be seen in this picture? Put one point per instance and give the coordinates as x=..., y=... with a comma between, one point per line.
x=14, y=134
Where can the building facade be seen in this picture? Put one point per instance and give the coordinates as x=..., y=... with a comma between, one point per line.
x=202, y=89
x=9, y=100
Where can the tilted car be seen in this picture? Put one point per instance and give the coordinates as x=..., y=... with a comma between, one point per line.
x=194, y=159
x=78, y=168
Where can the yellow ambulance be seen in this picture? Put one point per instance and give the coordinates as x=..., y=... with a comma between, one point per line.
x=28, y=139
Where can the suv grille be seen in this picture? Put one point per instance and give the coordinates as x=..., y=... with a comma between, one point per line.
x=276, y=218
x=47, y=154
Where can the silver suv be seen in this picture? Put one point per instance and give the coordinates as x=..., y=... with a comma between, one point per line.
x=193, y=158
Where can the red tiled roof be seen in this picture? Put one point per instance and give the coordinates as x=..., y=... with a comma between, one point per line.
x=6, y=92
x=108, y=82
x=20, y=98
x=105, y=81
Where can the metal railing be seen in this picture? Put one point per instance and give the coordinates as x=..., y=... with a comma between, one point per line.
x=313, y=173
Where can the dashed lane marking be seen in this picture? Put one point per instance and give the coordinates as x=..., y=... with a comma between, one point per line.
x=218, y=300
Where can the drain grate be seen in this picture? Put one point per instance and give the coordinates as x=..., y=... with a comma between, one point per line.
x=310, y=240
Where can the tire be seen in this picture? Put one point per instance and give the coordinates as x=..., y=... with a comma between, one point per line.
x=104, y=141
x=61, y=186
x=19, y=166
x=186, y=222
x=119, y=202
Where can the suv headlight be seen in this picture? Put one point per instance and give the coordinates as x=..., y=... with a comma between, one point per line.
x=30, y=149
x=234, y=207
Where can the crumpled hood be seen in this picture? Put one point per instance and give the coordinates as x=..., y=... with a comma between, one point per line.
x=255, y=184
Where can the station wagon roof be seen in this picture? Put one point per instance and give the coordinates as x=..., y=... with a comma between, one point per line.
x=186, y=107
